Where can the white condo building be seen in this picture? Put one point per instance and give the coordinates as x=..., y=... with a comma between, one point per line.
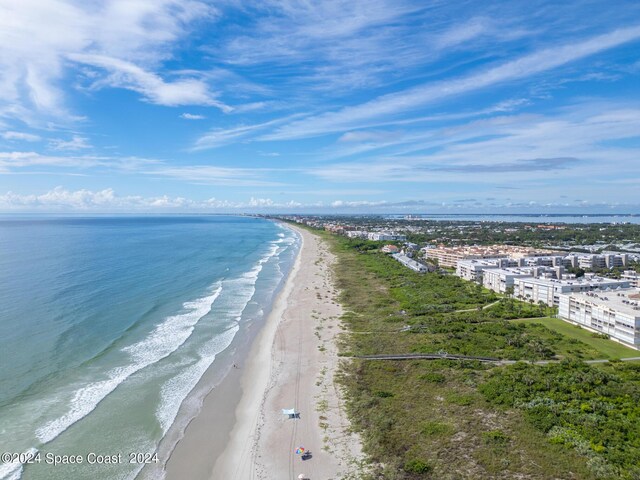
x=500, y=279
x=605, y=260
x=548, y=290
x=615, y=313
x=382, y=236
x=472, y=270
x=633, y=277
x=412, y=264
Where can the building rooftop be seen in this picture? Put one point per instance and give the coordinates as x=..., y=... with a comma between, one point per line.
x=592, y=280
x=512, y=271
x=480, y=261
x=624, y=300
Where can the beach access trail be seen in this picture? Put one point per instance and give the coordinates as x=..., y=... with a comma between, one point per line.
x=291, y=364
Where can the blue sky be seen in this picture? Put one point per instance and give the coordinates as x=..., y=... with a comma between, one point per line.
x=345, y=106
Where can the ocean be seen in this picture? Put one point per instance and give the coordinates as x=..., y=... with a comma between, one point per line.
x=108, y=323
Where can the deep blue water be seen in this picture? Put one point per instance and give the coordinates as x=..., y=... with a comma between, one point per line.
x=106, y=324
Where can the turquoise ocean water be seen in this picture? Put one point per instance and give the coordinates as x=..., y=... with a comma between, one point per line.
x=107, y=324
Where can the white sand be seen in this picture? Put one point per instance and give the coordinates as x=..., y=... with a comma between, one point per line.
x=292, y=364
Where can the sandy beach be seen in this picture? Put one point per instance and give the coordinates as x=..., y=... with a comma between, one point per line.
x=290, y=364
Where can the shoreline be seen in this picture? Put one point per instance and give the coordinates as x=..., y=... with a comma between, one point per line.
x=204, y=435
x=290, y=363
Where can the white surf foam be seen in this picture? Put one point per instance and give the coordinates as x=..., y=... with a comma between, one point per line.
x=236, y=295
x=13, y=470
x=175, y=390
x=165, y=338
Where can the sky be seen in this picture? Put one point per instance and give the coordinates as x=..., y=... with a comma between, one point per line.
x=330, y=106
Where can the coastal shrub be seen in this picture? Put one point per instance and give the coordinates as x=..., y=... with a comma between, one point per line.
x=495, y=437
x=417, y=466
x=383, y=394
x=433, y=377
x=461, y=399
x=435, y=428
x=592, y=410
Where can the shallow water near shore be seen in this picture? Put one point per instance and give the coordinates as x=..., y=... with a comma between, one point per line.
x=107, y=324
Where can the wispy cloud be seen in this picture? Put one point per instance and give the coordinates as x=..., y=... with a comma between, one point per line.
x=76, y=143
x=210, y=175
x=372, y=136
x=218, y=137
x=191, y=116
x=578, y=141
x=411, y=99
x=339, y=46
x=16, y=162
x=122, y=74
x=26, y=162
x=526, y=165
x=21, y=136
x=37, y=37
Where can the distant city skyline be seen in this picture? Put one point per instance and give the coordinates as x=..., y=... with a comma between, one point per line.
x=333, y=106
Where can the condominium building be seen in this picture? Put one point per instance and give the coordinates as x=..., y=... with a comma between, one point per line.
x=472, y=269
x=548, y=290
x=500, y=279
x=567, y=261
x=608, y=260
x=615, y=313
x=633, y=277
x=386, y=236
x=412, y=264
x=449, y=256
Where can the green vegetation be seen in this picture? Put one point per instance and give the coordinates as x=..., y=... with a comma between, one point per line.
x=470, y=233
x=477, y=232
x=605, y=348
x=465, y=419
x=593, y=411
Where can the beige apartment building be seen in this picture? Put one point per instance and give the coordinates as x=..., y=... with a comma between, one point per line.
x=449, y=256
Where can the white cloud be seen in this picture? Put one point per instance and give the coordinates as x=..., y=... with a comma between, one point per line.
x=24, y=162
x=16, y=162
x=37, y=37
x=122, y=74
x=409, y=100
x=370, y=136
x=211, y=175
x=462, y=33
x=574, y=143
x=261, y=202
x=107, y=200
x=76, y=143
x=219, y=137
x=191, y=116
x=27, y=137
